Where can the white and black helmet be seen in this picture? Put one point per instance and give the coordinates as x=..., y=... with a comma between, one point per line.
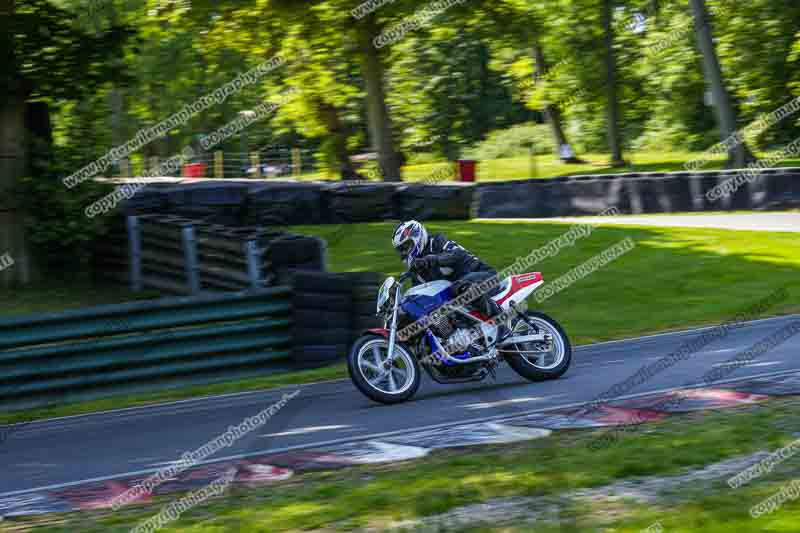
x=409, y=239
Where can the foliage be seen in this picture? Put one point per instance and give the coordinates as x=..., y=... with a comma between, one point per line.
x=515, y=141
x=56, y=223
x=448, y=84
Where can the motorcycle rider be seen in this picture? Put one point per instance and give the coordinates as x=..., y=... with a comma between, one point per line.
x=437, y=257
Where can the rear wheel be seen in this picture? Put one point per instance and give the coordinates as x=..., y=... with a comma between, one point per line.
x=378, y=378
x=539, y=360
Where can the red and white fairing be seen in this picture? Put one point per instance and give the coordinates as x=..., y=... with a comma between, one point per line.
x=517, y=288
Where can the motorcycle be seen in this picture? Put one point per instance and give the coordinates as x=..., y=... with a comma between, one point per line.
x=430, y=326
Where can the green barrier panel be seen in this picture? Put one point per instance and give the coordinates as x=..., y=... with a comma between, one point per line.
x=128, y=318
x=58, y=358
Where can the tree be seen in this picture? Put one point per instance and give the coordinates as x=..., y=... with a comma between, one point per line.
x=511, y=23
x=12, y=155
x=612, y=104
x=739, y=155
x=380, y=124
x=551, y=112
x=55, y=56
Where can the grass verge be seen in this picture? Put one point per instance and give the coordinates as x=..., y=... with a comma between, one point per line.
x=545, y=469
x=60, y=295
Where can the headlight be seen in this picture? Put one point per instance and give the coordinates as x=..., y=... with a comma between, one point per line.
x=384, y=294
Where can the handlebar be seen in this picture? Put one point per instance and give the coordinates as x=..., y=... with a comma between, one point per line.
x=405, y=276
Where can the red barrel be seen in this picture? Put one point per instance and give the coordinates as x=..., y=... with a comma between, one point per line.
x=194, y=170
x=466, y=170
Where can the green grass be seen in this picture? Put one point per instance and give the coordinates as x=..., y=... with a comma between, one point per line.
x=549, y=166
x=545, y=469
x=674, y=278
x=60, y=295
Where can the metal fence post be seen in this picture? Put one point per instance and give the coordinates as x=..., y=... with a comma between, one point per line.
x=190, y=259
x=253, y=263
x=134, y=252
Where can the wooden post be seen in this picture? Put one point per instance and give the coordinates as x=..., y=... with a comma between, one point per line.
x=295, y=162
x=124, y=168
x=219, y=164
x=148, y=170
x=254, y=162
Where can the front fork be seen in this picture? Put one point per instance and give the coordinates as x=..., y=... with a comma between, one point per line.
x=393, y=327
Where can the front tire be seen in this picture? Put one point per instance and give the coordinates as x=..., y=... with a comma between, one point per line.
x=529, y=361
x=375, y=378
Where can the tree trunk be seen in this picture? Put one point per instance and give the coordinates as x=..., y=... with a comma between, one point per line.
x=740, y=155
x=380, y=126
x=39, y=139
x=552, y=114
x=330, y=116
x=13, y=158
x=612, y=107
x=484, y=117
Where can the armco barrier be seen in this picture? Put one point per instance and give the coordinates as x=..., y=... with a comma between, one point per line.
x=346, y=203
x=284, y=203
x=434, y=202
x=511, y=199
x=783, y=189
x=635, y=193
x=279, y=203
x=92, y=353
x=212, y=201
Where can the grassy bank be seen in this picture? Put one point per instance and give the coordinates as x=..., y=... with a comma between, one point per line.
x=673, y=278
x=547, y=470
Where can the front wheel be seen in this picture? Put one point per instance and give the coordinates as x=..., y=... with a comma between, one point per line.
x=539, y=360
x=378, y=378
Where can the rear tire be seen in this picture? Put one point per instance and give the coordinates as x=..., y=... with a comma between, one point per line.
x=544, y=372
x=405, y=373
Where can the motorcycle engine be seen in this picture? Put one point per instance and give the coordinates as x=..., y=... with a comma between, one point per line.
x=443, y=327
x=459, y=341
x=456, y=335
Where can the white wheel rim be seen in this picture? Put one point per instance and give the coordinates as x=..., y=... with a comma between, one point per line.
x=555, y=355
x=374, y=368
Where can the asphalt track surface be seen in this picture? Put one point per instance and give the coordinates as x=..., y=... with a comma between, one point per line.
x=784, y=222
x=73, y=450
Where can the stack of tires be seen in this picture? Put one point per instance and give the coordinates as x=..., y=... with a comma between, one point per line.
x=322, y=321
x=365, y=293
x=331, y=310
x=284, y=253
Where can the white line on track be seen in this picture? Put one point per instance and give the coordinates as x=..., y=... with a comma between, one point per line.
x=125, y=410
x=360, y=438
x=302, y=431
x=749, y=365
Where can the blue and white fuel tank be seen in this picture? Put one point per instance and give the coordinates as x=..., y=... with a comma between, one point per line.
x=422, y=299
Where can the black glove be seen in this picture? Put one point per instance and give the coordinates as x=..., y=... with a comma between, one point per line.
x=424, y=263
